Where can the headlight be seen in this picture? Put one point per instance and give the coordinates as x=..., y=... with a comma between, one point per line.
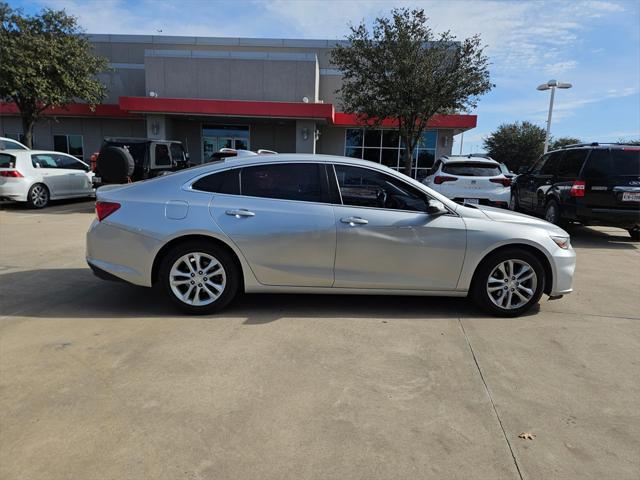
x=562, y=242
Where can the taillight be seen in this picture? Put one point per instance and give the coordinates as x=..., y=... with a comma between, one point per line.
x=577, y=189
x=506, y=182
x=11, y=174
x=438, y=179
x=104, y=209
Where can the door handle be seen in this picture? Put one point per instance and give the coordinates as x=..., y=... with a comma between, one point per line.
x=241, y=212
x=354, y=221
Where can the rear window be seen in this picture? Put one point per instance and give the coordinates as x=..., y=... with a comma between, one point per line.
x=7, y=161
x=227, y=182
x=471, y=169
x=616, y=162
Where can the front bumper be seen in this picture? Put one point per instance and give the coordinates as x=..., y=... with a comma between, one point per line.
x=563, y=265
x=121, y=253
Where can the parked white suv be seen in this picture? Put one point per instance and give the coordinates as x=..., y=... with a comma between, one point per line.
x=470, y=179
x=37, y=176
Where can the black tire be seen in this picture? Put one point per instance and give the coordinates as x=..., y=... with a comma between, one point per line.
x=514, y=205
x=552, y=213
x=38, y=196
x=230, y=269
x=635, y=234
x=479, y=290
x=115, y=165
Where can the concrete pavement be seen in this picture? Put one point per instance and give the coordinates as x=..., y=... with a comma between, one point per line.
x=105, y=381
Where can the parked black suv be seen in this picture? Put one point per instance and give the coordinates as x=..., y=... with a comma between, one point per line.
x=594, y=184
x=123, y=160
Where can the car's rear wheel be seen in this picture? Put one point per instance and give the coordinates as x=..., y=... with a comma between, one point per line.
x=635, y=234
x=199, y=277
x=38, y=196
x=513, y=203
x=552, y=213
x=509, y=282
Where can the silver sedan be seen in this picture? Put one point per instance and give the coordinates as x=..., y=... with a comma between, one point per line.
x=320, y=224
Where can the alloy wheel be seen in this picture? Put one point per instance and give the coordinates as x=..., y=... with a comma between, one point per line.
x=551, y=215
x=39, y=196
x=197, y=279
x=512, y=284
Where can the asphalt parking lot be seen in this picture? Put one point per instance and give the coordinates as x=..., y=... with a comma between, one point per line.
x=101, y=380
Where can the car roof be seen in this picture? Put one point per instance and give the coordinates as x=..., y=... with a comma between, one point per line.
x=138, y=140
x=467, y=159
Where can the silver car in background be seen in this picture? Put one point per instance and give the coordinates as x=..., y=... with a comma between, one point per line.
x=319, y=224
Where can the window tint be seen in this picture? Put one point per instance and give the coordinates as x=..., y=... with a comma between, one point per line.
x=471, y=169
x=605, y=163
x=361, y=187
x=162, y=155
x=550, y=166
x=176, y=152
x=68, y=162
x=227, y=182
x=539, y=164
x=572, y=162
x=7, y=161
x=288, y=181
x=44, y=161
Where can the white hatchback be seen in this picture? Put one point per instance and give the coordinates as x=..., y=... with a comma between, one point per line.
x=469, y=179
x=37, y=176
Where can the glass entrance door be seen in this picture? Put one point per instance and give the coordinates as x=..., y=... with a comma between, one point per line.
x=215, y=137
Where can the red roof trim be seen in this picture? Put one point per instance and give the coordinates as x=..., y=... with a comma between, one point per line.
x=438, y=121
x=237, y=108
x=74, y=110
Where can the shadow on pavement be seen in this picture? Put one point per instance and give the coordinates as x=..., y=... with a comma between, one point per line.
x=76, y=293
x=604, y=238
x=56, y=207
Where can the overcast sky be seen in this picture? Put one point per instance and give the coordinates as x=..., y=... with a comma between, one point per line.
x=593, y=44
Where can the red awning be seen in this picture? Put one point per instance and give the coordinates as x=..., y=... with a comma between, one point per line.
x=132, y=106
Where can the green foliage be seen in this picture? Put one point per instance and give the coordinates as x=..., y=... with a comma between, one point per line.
x=557, y=143
x=402, y=70
x=516, y=144
x=629, y=142
x=45, y=61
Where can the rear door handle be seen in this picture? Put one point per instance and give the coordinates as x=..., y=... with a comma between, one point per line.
x=241, y=212
x=354, y=221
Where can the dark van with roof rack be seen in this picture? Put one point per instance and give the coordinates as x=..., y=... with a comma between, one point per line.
x=594, y=184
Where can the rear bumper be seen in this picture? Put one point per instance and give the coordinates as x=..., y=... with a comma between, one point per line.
x=16, y=189
x=113, y=251
x=615, y=217
x=499, y=197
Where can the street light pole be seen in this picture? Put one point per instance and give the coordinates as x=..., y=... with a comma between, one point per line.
x=551, y=85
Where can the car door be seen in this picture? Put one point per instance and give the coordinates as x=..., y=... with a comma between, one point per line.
x=53, y=176
x=385, y=238
x=78, y=179
x=282, y=222
x=537, y=181
x=568, y=171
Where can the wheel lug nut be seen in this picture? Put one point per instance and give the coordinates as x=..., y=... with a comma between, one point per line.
x=506, y=279
x=205, y=279
x=513, y=289
x=200, y=285
x=199, y=273
x=513, y=278
x=192, y=282
x=193, y=275
x=506, y=288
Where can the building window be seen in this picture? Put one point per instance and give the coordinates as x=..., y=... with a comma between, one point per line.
x=18, y=137
x=215, y=137
x=385, y=146
x=71, y=144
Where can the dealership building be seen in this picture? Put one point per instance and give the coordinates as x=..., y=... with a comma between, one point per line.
x=210, y=93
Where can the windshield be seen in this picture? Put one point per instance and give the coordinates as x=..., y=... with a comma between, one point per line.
x=471, y=169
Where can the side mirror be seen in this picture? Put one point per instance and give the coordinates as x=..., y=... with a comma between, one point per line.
x=523, y=169
x=436, y=207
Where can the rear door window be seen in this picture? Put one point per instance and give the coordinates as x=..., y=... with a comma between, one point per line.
x=7, y=161
x=227, y=182
x=471, y=169
x=572, y=162
x=285, y=181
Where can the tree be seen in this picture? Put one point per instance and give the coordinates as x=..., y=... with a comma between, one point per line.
x=557, y=143
x=629, y=142
x=45, y=62
x=403, y=71
x=515, y=144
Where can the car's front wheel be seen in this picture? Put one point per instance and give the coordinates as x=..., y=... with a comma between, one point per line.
x=552, y=213
x=635, y=234
x=508, y=282
x=199, y=277
x=513, y=202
